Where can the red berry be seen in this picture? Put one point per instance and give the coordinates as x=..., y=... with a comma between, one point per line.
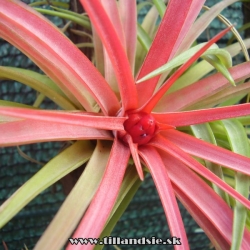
x=141, y=127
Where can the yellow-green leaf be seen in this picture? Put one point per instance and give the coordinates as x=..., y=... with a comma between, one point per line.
x=39, y=82
x=67, y=14
x=61, y=165
x=128, y=189
x=204, y=132
x=217, y=63
x=177, y=61
x=160, y=6
x=239, y=143
x=77, y=201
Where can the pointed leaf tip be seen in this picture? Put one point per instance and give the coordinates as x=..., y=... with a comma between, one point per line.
x=150, y=104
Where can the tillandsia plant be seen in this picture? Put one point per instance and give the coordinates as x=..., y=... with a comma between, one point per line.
x=146, y=107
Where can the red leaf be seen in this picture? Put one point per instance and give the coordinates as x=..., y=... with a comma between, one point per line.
x=134, y=152
x=59, y=58
x=64, y=117
x=185, y=118
x=150, y=104
x=111, y=9
x=116, y=52
x=203, y=22
x=167, y=41
x=205, y=206
x=208, y=151
x=203, y=220
x=98, y=212
x=128, y=14
x=165, y=190
x=204, y=88
x=171, y=148
x=30, y=131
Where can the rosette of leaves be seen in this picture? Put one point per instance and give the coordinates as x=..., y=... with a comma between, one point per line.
x=137, y=108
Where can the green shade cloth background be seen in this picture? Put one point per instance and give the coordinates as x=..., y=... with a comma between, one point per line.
x=144, y=216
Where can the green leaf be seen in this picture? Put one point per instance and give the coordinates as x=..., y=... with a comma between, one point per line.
x=204, y=132
x=54, y=3
x=193, y=74
x=232, y=100
x=39, y=99
x=239, y=143
x=199, y=70
x=14, y=104
x=244, y=120
x=39, y=82
x=143, y=38
x=73, y=13
x=223, y=55
x=178, y=60
x=77, y=201
x=70, y=159
x=160, y=6
x=67, y=14
x=214, y=60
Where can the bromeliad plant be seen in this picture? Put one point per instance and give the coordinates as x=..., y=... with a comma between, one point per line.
x=130, y=110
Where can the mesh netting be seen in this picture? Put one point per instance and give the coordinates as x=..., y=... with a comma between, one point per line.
x=144, y=216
